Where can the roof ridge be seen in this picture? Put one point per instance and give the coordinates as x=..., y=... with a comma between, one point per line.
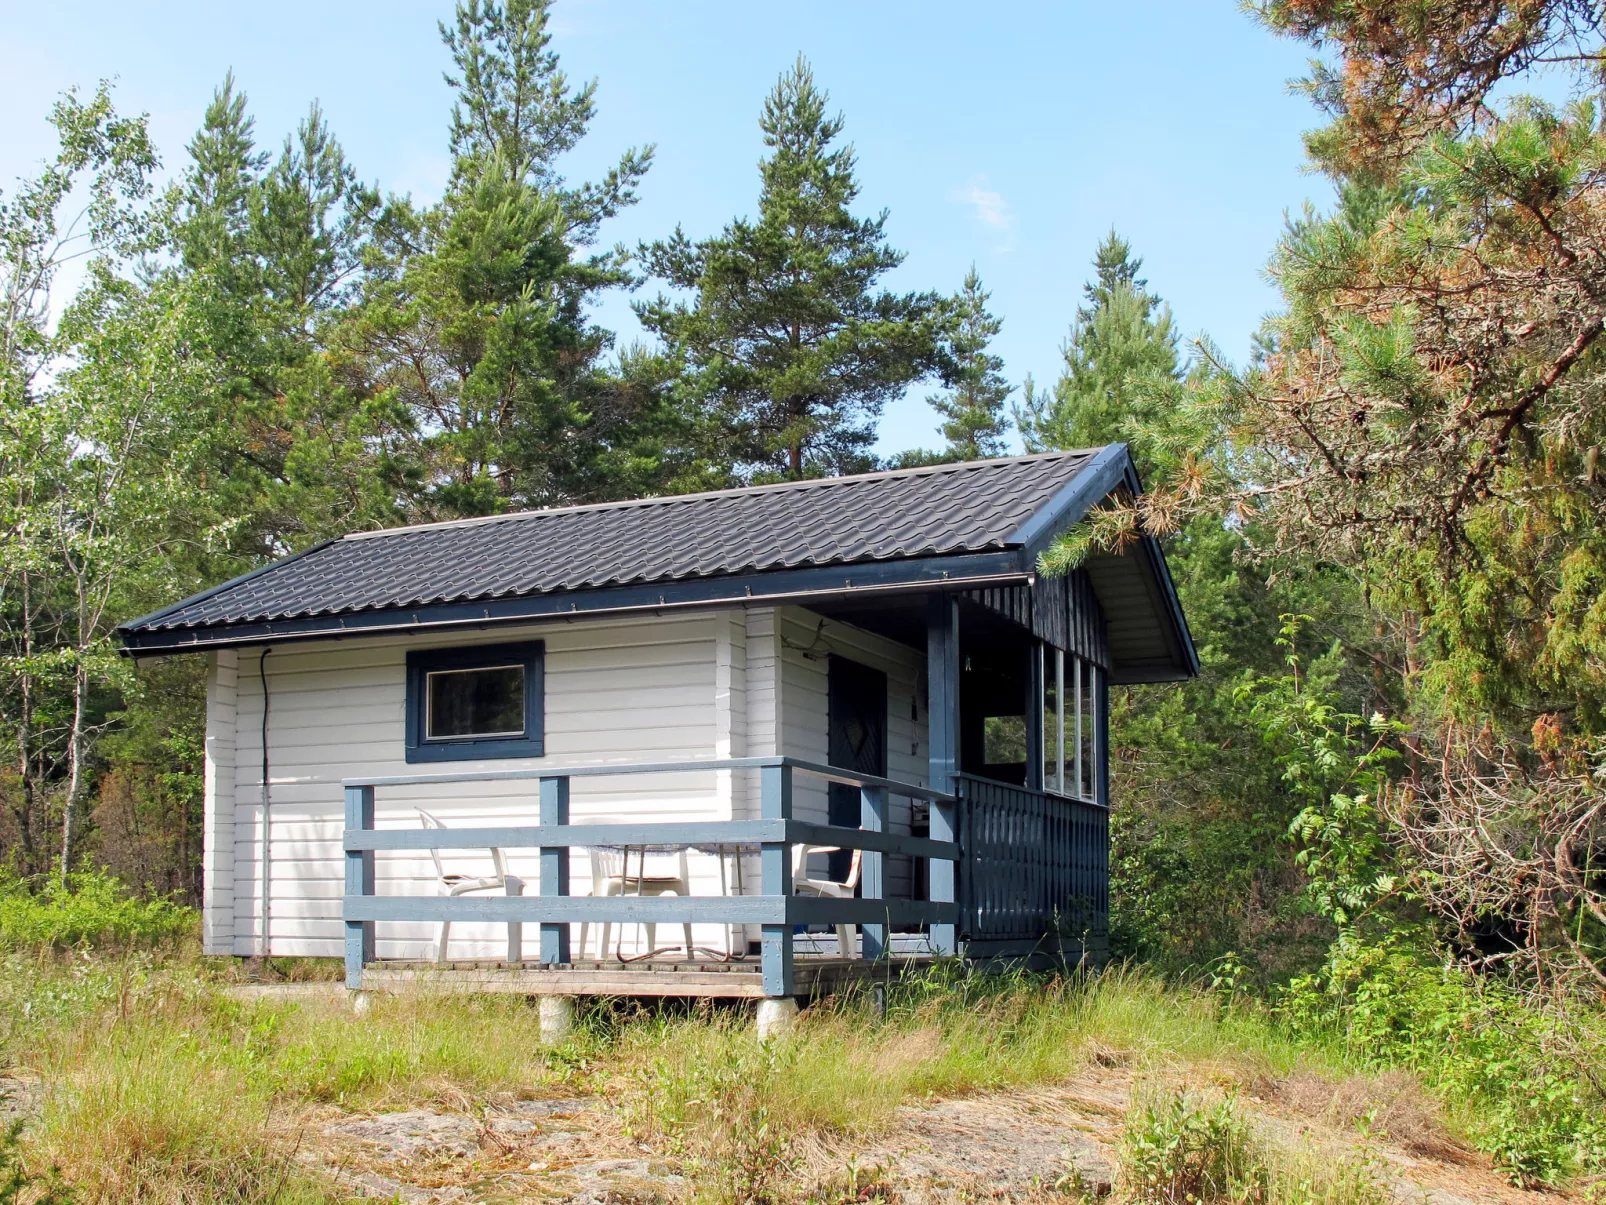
x=705, y=495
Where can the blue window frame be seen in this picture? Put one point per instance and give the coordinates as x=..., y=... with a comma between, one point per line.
x=476, y=701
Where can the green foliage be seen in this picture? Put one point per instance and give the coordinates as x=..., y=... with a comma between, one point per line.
x=972, y=409
x=21, y=1186
x=1524, y=1072
x=1178, y=1150
x=1335, y=763
x=790, y=349
x=92, y=910
x=1121, y=363
x=717, y=1112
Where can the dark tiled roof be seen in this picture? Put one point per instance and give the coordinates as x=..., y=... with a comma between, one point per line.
x=898, y=515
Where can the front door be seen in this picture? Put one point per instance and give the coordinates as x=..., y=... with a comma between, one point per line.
x=858, y=723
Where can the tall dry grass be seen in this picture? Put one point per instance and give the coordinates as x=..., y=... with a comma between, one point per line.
x=162, y=1088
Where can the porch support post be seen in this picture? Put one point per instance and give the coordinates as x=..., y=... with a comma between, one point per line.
x=555, y=868
x=775, y=862
x=359, y=881
x=872, y=866
x=942, y=687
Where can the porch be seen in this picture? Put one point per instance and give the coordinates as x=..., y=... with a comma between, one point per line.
x=1008, y=873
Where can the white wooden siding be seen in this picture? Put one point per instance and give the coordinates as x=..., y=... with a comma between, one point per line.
x=806, y=642
x=715, y=684
x=616, y=691
x=218, y=776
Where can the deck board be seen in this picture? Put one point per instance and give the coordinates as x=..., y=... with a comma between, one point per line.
x=708, y=980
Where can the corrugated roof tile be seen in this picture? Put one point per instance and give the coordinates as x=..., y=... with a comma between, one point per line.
x=934, y=511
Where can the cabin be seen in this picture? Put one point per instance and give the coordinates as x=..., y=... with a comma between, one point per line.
x=755, y=742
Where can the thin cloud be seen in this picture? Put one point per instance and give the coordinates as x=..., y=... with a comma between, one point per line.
x=991, y=209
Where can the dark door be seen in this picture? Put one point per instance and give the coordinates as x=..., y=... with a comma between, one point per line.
x=858, y=723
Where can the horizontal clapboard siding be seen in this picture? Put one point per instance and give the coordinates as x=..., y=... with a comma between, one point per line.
x=624, y=691
x=698, y=686
x=218, y=779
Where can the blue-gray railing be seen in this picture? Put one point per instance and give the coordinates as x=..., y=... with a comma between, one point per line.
x=776, y=910
x=1036, y=866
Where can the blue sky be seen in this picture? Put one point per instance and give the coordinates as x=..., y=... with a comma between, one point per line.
x=1011, y=135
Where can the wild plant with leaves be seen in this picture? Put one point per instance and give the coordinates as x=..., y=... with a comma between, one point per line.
x=1426, y=413
x=104, y=428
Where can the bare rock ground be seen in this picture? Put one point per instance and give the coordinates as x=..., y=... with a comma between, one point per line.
x=1009, y=1146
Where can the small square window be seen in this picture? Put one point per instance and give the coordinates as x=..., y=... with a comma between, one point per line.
x=479, y=701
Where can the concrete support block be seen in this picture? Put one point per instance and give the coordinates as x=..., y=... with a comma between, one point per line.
x=777, y=1017
x=557, y=1019
x=362, y=1003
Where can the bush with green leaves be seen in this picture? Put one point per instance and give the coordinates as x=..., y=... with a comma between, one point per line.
x=1524, y=1071
x=91, y=909
x=1179, y=1150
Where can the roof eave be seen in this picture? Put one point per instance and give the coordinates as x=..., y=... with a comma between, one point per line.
x=769, y=588
x=1110, y=468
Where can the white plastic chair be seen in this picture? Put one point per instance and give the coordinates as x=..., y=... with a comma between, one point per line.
x=609, y=876
x=827, y=888
x=457, y=884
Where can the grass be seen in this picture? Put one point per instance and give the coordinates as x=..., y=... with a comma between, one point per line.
x=163, y=1088
x=956, y=1033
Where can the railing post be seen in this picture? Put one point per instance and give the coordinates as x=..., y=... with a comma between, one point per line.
x=942, y=720
x=515, y=929
x=872, y=866
x=359, y=882
x=555, y=868
x=775, y=863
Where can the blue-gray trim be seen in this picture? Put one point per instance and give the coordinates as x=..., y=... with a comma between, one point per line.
x=531, y=654
x=1112, y=467
x=1101, y=475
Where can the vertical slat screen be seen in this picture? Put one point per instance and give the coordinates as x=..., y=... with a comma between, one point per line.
x=1036, y=864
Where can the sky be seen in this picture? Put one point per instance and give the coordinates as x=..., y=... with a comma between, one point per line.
x=1010, y=135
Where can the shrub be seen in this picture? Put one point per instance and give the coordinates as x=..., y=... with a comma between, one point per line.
x=1177, y=1150
x=92, y=909
x=1521, y=1071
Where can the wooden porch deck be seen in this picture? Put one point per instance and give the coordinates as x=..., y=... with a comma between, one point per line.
x=812, y=975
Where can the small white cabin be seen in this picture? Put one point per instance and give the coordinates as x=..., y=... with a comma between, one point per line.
x=826, y=622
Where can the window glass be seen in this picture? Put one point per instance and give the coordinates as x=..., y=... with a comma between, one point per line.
x=1053, y=729
x=485, y=701
x=1087, y=711
x=1004, y=742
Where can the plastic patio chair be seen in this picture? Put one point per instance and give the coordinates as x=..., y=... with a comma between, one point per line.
x=802, y=884
x=458, y=884
x=609, y=876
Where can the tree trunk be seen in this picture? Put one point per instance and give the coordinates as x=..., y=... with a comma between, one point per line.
x=30, y=859
x=75, y=776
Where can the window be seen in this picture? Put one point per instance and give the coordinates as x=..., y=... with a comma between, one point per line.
x=1004, y=740
x=1071, y=693
x=479, y=701
x=1053, y=733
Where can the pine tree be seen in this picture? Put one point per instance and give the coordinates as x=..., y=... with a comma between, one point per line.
x=217, y=193
x=277, y=245
x=791, y=351
x=473, y=327
x=1121, y=360
x=973, y=405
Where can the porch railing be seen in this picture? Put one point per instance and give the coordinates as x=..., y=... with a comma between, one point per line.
x=776, y=910
x=1035, y=869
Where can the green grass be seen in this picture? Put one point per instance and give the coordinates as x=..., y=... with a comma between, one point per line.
x=163, y=1087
